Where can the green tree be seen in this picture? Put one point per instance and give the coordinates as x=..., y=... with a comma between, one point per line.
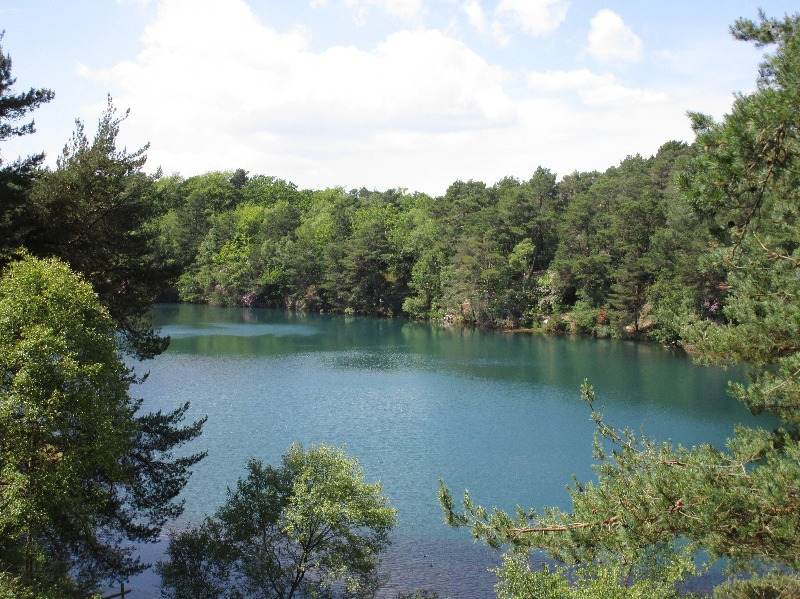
x=741, y=502
x=239, y=178
x=426, y=284
x=474, y=280
x=82, y=472
x=93, y=212
x=529, y=210
x=263, y=190
x=16, y=177
x=190, y=206
x=583, y=259
x=460, y=206
x=518, y=580
x=628, y=294
x=370, y=283
x=310, y=527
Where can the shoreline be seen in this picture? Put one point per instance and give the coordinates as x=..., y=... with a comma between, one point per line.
x=444, y=322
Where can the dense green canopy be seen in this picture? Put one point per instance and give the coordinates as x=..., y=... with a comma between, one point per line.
x=82, y=471
x=585, y=253
x=309, y=528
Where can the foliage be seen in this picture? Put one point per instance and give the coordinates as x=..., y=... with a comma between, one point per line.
x=82, y=472
x=516, y=579
x=655, y=501
x=16, y=177
x=14, y=588
x=774, y=586
x=500, y=255
x=311, y=527
x=585, y=317
x=92, y=212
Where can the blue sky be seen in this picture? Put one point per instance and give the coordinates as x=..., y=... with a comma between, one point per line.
x=381, y=93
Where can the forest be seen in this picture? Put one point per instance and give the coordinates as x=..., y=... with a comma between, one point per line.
x=607, y=254
x=697, y=246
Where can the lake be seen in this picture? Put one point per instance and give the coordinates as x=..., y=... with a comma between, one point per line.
x=497, y=413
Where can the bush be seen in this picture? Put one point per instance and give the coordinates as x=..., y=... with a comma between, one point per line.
x=555, y=324
x=584, y=317
x=518, y=580
x=415, y=306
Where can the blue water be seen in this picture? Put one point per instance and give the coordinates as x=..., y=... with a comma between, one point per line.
x=497, y=413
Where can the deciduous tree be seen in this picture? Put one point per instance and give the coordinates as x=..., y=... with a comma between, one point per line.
x=311, y=527
x=83, y=472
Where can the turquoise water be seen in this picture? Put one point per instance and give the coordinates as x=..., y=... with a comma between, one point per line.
x=497, y=413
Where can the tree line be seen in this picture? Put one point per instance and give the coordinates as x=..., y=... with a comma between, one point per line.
x=592, y=253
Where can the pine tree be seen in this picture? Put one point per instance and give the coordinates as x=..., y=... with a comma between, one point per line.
x=94, y=211
x=15, y=177
x=741, y=502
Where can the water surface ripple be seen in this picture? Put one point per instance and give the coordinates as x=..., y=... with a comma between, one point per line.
x=497, y=413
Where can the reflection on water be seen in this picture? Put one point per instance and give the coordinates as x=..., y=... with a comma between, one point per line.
x=493, y=412
x=182, y=331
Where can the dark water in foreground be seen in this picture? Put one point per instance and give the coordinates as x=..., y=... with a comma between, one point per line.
x=499, y=414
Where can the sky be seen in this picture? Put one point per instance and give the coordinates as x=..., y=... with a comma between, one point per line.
x=382, y=94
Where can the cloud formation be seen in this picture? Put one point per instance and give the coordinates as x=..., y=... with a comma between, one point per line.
x=475, y=15
x=535, y=17
x=216, y=87
x=610, y=39
x=406, y=9
x=593, y=89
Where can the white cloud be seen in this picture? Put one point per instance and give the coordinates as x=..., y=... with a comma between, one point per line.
x=592, y=88
x=610, y=39
x=138, y=3
x=215, y=87
x=536, y=17
x=402, y=8
x=475, y=14
x=405, y=9
x=477, y=18
x=499, y=34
